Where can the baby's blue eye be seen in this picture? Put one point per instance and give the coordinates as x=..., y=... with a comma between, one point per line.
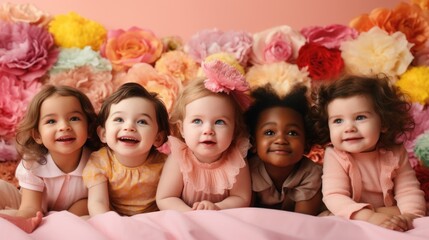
x=338, y=121
x=361, y=117
x=197, y=121
x=220, y=122
x=50, y=121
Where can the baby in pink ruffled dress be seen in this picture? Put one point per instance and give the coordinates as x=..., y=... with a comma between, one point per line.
x=206, y=169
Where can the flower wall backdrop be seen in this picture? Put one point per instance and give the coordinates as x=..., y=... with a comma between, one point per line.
x=37, y=48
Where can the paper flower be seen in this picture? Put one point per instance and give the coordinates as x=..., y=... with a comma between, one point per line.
x=11, y=12
x=421, y=150
x=282, y=76
x=321, y=63
x=72, y=30
x=376, y=52
x=330, y=36
x=408, y=18
x=126, y=48
x=26, y=51
x=97, y=85
x=278, y=44
x=177, y=64
x=166, y=86
x=14, y=98
x=172, y=43
x=71, y=58
x=210, y=41
x=415, y=82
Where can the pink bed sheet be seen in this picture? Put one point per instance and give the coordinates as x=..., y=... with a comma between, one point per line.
x=243, y=223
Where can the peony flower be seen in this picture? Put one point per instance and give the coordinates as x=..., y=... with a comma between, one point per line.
x=164, y=85
x=172, y=43
x=407, y=18
x=330, y=36
x=278, y=44
x=177, y=64
x=72, y=30
x=11, y=12
x=321, y=63
x=97, y=85
x=26, y=51
x=210, y=41
x=126, y=48
x=71, y=58
x=14, y=98
x=376, y=52
x=282, y=76
x=423, y=4
x=415, y=82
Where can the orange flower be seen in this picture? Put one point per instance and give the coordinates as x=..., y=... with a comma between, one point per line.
x=126, y=48
x=407, y=18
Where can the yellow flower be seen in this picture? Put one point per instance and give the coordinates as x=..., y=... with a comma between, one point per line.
x=415, y=82
x=226, y=58
x=72, y=30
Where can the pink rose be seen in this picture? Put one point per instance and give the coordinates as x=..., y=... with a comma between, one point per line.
x=278, y=44
x=25, y=12
x=126, y=48
x=330, y=36
x=210, y=41
x=26, y=51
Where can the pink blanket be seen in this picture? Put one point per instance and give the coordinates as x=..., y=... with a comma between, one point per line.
x=244, y=223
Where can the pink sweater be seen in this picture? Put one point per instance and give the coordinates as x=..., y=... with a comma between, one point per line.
x=370, y=180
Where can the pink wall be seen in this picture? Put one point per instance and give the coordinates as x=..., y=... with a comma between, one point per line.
x=186, y=17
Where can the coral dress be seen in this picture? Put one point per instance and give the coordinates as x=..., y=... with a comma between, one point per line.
x=207, y=181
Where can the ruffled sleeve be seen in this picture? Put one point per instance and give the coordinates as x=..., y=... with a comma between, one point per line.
x=210, y=178
x=97, y=169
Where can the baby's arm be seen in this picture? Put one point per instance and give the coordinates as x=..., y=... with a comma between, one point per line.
x=311, y=206
x=241, y=192
x=80, y=207
x=98, y=199
x=26, y=224
x=169, y=192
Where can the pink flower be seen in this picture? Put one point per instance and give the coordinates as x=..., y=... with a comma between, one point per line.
x=26, y=51
x=126, y=48
x=177, y=64
x=278, y=44
x=210, y=41
x=14, y=98
x=222, y=77
x=25, y=12
x=166, y=86
x=330, y=36
x=97, y=85
x=8, y=151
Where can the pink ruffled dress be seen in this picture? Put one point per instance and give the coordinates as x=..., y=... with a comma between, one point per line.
x=207, y=181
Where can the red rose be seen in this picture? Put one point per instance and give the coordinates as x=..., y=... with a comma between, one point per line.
x=322, y=63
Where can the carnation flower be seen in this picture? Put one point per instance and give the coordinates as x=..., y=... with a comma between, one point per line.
x=126, y=48
x=375, y=52
x=322, y=63
x=144, y=74
x=11, y=12
x=72, y=30
x=407, y=18
x=70, y=58
x=210, y=41
x=278, y=44
x=330, y=36
x=415, y=82
x=97, y=85
x=282, y=76
x=26, y=51
x=177, y=64
x=14, y=99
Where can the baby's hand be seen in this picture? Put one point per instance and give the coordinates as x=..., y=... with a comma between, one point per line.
x=205, y=205
x=401, y=223
x=26, y=224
